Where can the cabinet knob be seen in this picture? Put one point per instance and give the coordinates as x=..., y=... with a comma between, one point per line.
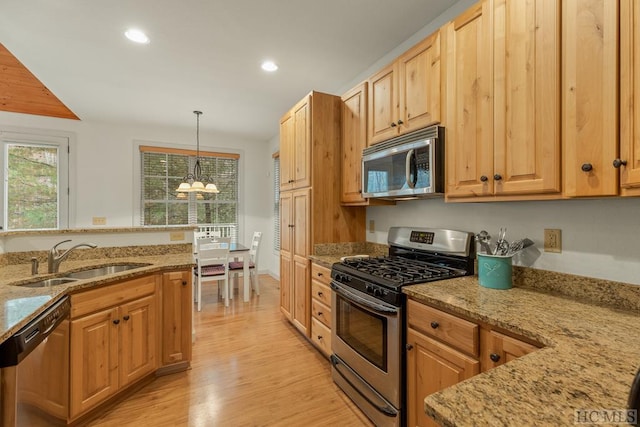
x=125, y=318
x=409, y=347
x=319, y=313
x=484, y=178
x=617, y=163
x=320, y=294
x=435, y=324
x=393, y=124
x=319, y=337
x=494, y=357
x=400, y=122
x=184, y=283
x=587, y=167
x=320, y=274
x=116, y=321
x=497, y=177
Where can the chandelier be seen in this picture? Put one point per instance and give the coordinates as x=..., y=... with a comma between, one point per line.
x=196, y=182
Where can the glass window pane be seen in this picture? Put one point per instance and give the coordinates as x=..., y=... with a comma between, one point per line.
x=32, y=187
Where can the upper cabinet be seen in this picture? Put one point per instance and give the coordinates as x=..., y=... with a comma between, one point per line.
x=628, y=161
x=503, y=101
x=354, y=140
x=295, y=146
x=406, y=95
x=590, y=97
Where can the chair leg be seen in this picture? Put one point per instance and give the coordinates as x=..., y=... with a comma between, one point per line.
x=226, y=290
x=256, y=282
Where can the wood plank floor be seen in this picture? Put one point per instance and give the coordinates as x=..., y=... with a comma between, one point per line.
x=250, y=368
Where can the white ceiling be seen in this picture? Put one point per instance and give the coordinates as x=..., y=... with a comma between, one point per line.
x=204, y=54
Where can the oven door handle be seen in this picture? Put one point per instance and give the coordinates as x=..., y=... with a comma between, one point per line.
x=381, y=309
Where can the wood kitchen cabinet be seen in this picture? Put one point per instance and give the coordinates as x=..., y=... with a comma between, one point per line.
x=321, y=308
x=406, y=95
x=443, y=349
x=503, y=116
x=310, y=212
x=176, y=318
x=295, y=146
x=628, y=160
x=354, y=141
x=113, y=340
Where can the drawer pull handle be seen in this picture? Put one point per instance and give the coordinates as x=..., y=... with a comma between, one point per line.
x=494, y=357
x=319, y=313
x=320, y=337
x=320, y=293
x=435, y=324
x=320, y=274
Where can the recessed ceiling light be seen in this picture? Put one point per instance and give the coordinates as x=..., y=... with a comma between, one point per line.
x=137, y=36
x=269, y=66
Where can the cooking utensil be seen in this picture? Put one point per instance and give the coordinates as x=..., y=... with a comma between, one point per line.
x=484, y=238
x=502, y=246
x=518, y=245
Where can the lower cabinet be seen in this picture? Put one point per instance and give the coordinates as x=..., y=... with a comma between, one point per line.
x=321, y=308
x=114, y=340
x=443, y=350
x=176, y=318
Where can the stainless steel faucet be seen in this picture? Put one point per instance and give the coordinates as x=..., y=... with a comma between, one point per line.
x=55, y=258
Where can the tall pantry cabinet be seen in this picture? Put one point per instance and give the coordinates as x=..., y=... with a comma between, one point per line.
x=310, y=210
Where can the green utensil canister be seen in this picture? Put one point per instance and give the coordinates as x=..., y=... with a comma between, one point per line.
x=494, y=271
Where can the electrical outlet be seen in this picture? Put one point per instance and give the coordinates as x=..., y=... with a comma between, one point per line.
x=176, y=235
x=99, y=220
x=372, y=227
x=552, y=240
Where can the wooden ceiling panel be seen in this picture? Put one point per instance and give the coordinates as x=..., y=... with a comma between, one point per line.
x=22, y=92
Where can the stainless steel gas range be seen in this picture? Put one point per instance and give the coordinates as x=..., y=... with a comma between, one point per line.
x=368, y=313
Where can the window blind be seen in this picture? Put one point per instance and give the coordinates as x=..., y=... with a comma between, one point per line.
x=276, y=203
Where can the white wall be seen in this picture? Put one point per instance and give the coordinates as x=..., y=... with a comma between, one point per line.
x=600, y=238
x=106, y=181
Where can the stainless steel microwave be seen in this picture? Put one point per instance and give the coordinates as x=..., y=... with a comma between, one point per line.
x=406, y=167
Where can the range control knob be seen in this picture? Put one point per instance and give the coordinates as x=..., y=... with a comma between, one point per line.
x=369, y=289
x=377, y=292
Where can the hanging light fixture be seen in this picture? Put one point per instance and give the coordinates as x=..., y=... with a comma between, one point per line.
x=195, y=182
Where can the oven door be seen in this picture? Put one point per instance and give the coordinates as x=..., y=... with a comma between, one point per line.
x=367, y=336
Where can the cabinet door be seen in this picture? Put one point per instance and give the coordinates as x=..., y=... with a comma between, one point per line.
x=301, y=286
x=431, y=367
x=301, y=226
x=286, y=151
x=590, y=97
x=286, y=295
x=354, y=140
x=419, y=85
x=302, y=143
x=94, y=359
x=526, y=97
x=499, y=349
x=176, y=317
x=383, y=104
x=630, y=94
x=138, y=339
x=469, y=103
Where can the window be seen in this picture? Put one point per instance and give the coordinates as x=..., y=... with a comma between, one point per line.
x=162, y=171
x=35, y=193
x=276, y=201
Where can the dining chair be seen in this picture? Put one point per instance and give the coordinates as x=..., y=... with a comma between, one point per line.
x=212, y=264
x=236, y=267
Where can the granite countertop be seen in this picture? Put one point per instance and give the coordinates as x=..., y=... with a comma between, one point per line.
x=590, y=357
x=21, y=304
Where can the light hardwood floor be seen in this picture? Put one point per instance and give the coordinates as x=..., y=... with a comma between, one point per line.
x=250, y=368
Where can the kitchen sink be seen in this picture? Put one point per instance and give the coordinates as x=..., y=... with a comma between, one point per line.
x=101, y=271
x=48, y=282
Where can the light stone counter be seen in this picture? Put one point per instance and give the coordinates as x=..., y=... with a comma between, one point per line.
x=591, y=355
x=21, y=304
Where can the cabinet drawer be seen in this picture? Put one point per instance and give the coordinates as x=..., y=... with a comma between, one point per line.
x=321, y=336
x=321, y=312
x=458, y=333
x=321, y=292
x=321, y=274
x=111, y=295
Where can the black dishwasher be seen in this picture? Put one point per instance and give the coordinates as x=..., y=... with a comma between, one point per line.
x=35, y=370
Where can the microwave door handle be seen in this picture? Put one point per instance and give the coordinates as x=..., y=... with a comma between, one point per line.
x=409, y=168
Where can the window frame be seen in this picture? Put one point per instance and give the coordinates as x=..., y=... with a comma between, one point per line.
x=181, y=149
x=66, y=144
